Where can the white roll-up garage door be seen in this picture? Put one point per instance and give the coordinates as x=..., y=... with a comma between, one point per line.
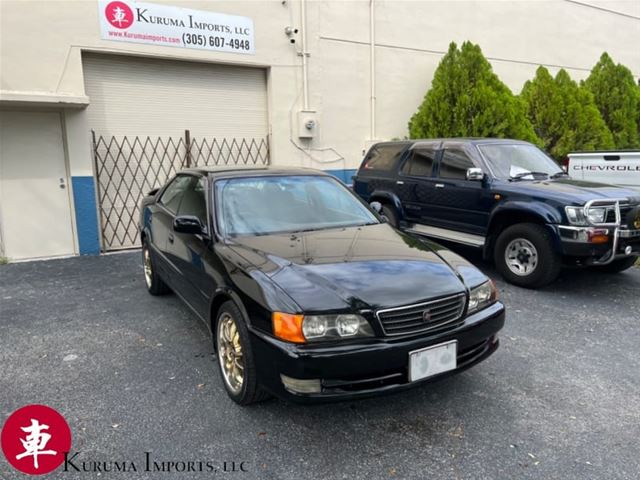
x=139, y=111
x=148, y=97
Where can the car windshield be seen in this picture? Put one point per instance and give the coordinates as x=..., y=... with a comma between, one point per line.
x=518, y=161
x=266, y=205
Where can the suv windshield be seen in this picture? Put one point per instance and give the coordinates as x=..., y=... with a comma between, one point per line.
x=518, y=161
x=265, y=205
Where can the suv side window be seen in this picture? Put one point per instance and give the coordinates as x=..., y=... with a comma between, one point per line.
x=173, y=194
x=454, y=164
x=420, y=163
x=382, y=157
x=194, y=202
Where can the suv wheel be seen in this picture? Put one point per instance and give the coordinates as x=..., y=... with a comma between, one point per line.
x=525, y=256
x=235, y=357
x=617, y=266
x=389, y=213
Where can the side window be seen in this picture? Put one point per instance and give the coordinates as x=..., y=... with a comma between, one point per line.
x=194, y=202
x=173, y=194
x=420, y=163
x=454, y=164
x=383, y=157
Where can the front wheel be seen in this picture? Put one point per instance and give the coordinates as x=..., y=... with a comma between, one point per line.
x=389, y=213
x=617, y=266
x=235, y=357
x=525, y=256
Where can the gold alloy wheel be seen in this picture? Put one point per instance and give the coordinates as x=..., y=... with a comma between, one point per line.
x=148, y=269
x=230, y=353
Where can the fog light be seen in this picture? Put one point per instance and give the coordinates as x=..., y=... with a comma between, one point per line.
x=297, y=385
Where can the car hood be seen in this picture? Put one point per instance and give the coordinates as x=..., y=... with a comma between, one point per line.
x=569, y=191
x=359, y=268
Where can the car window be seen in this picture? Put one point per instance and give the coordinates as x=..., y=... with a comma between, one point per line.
x=454, y=164
x=420, y=163
x=266, y=205
x=193, y=201
x=173, y=194
x=383, y=157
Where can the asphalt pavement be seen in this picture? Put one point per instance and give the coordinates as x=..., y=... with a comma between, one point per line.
x=133, y=373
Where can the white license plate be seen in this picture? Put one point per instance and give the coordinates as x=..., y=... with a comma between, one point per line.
x=431, y=361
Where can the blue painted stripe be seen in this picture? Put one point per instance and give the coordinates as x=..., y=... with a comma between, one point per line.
x=84, y=200
x=344, y=174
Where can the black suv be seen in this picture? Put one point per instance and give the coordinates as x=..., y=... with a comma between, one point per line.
x=508, y=198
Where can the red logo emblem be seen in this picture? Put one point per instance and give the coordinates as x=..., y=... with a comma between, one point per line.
x=35, y=439
x=119, y=15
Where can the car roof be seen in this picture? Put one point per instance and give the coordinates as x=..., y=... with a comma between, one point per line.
x=252, y=171
x=471, y=140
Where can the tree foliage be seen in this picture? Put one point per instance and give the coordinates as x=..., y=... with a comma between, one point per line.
x=467, y=99
x=616, y=95
x=564, y=115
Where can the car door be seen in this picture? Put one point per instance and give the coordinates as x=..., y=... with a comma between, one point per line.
x=458, y=203
x=416, y=182
x=190, y=252
x=162, y=226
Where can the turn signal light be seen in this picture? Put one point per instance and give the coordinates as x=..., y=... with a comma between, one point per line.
x=288, y=326
x=598, y=236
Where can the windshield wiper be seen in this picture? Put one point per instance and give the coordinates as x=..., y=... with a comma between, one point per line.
x=559, y=174
x=521, y=175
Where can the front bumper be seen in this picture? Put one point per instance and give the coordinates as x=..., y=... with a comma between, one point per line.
x=368, y=367
x=623, y=242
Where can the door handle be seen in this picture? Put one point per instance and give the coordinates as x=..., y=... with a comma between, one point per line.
x=439, y=185
x=171, y=238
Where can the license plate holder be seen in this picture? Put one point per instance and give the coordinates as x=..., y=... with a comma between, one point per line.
x=433, y=360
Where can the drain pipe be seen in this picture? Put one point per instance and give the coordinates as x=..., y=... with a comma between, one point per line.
x=372, y=65
x=305, y=75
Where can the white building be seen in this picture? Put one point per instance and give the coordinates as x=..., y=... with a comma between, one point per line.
x=301, y=82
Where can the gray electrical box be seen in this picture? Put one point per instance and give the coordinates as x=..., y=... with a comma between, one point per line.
x=307, y=124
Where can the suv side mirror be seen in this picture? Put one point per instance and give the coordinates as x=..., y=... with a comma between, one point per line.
x=475, y=174
x=188, y=224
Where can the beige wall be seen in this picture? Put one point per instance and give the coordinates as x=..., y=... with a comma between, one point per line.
x=41, y=45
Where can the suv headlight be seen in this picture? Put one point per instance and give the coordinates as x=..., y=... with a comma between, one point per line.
x=482, y=296
x=314, y=328
x=577, y=216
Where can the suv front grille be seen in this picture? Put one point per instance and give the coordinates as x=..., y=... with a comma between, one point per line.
x=422, y=317
x=625, y=208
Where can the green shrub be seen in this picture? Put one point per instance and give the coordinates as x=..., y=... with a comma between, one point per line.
x=467, y=99
x=564, y=115
x=617, y=98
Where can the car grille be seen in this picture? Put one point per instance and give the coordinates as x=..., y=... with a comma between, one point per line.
x=625, y=208
x=411, y=318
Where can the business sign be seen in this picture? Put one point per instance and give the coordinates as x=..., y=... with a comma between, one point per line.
x=128, y=21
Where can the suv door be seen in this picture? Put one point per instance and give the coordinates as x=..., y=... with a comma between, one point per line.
x=416, y=182
x=458, y=203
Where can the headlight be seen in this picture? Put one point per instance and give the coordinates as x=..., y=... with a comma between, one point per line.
x=576, y=215
x=482, y=296
x=313, y=328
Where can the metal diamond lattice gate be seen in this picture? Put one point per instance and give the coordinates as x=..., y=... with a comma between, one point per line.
x=127, y=168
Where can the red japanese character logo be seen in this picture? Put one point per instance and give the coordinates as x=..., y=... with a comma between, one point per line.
x=35, y=439
x=119, y=15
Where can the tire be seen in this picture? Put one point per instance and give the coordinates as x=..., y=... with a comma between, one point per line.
x=529, y=245
x=155, y=284
x=231, y=320
x=617, y=266
x=389, y=213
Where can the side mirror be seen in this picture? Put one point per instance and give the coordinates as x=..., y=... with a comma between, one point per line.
x=475, y=174
x=377, y=207
x=188, y=224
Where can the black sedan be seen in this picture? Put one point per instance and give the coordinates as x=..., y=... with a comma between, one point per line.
x=308, y=294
